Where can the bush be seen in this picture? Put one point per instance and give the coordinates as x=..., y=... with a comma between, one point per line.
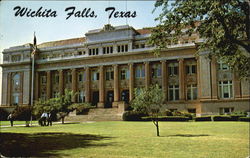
x=3, y=115
x=22, y=113
x=223, y=118
x=245, y=119
x=236, y=117
x=168, y=118
x=81, y=108
x=204, y=118
x=133, y=116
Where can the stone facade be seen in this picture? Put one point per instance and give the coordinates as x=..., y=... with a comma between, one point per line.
x=106, y=66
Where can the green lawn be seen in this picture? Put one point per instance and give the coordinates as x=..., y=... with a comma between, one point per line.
x=129, y=139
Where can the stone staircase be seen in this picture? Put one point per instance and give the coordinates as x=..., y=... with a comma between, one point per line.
x=97, y=114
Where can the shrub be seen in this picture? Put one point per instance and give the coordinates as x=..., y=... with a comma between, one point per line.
x=3, y=114
x=236, y=117
x=203, y=118
x=22, y=113
x=245, y=119
x=168, y=118
x=81, y=108
x=133, y=116
x=223, y=118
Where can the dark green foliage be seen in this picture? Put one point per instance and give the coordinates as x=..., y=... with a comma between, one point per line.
x=245, y=119
x=223, y=118
x=225, y=26
x=236, y=117
x=168, y=118
x=203, y=118
x=22, y=113
x=3, y=114
x=81, y=108
x=133, y=116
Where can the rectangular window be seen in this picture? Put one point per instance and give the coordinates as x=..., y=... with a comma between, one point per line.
x=93, y=51
x=190, y=69
x=109, y=74
x=140, y=71
x=122, y=48
x=226, y=110
x=156, y=70
x=226, y=89
x=124, y=74
x=192, y=92
x=80, y=77
x=56, y=79
x=81, y=97
x=43, y=79
x=95, y=75
x=173, y=92
x=173, y=69
x=68, y=78
x=192, y=110
x=223, y=66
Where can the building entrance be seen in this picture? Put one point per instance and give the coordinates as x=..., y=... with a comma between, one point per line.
x=95, y=98
x=110, y=99
x=125, y=96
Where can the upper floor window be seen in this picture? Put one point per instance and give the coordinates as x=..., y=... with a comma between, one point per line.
x=192, y=92
x=95, y=75
x=140, y=71
x=124, y=74
x=173, y=69
x=156, y=70
x=68, y=77
x=81, y=53
x=81, y=76
x=223, y=66
x=109, y=74
x=93, y=51
x=43, y=79
x=226, y=89
x=16, y=80
x=56, y=78
x=107, y=50
x=122, y=48
x=191, y=69
x=173, y=92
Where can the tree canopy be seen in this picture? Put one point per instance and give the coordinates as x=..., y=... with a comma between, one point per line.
x=151, y=101
x=223, y=24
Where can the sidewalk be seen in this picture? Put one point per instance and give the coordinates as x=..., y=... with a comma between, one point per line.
x=35, y=124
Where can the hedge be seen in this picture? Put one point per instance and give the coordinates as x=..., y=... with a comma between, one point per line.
x=245, y=119
x=133, y=116
x=223, y=118
x=204, y=118
x=168, y=118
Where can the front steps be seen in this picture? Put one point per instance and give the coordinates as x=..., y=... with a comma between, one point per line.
x=97, y=114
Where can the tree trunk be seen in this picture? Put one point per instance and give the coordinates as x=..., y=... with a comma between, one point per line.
x=62, y=120
x=157, y=128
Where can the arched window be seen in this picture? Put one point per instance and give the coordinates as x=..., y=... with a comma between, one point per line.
x=16, y=80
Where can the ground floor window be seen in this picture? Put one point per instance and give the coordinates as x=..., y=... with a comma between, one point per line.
x=15, y=98
x=173, y=92
x=225, y=89
x=81, y=97
x=192, y=110
x=226, y=110
x=192, y=92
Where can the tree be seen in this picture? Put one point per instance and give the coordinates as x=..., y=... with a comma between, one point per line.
x=60, y=105
x=151, y=101
x=223, y=24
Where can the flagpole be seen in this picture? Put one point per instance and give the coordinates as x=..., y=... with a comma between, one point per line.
x=32, y=76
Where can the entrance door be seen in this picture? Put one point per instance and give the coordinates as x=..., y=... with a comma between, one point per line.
x=95, y=98
x=125, y=96
x=110, y=99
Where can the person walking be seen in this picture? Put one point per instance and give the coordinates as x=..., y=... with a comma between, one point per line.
x=11, y=119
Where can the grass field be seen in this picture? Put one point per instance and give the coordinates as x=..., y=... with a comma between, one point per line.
x=129, y=139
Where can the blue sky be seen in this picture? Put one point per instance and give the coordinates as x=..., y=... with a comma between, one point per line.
x=19, y=30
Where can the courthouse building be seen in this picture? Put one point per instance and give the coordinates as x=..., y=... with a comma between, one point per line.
x=107, y=65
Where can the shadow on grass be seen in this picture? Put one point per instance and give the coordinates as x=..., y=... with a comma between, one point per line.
x=45, y=144
x=189, y=135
